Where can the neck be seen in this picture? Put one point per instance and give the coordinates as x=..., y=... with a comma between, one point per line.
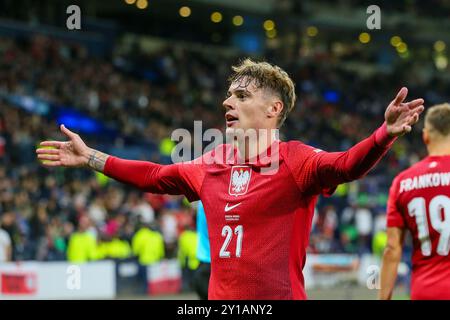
x=439, y=149
x=250, y=146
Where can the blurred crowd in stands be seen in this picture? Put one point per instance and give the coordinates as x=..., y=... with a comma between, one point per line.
x=47, y=213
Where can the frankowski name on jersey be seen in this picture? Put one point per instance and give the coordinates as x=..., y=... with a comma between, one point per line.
x=425, y=181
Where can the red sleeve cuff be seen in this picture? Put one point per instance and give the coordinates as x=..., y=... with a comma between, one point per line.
x=395, y=222
x=106, y=169
x=382, y=137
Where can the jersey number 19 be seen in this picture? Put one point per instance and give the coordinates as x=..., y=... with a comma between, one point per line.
x=439, y=210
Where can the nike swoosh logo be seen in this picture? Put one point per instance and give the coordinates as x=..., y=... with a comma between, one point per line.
x=228, y=208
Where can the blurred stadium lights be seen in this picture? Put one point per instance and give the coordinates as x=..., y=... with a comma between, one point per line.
x=439, y=46
x=164, y=21
x=312, y=31
x=238, y=21
x=256, y=6
x=441, y=62
x=404, y=55
x=79, y=123
x=338, y=48
x=29, y=103
x=395, y=41
x=269, y=25
x=364, y=37
x=216, y=17
x=142, y=4
x=185, y=11
x=402, y=47
x=272, y=33
x=331, y=96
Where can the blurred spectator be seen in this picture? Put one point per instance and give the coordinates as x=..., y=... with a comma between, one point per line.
x=349, y=239
x=118, y=248
x=187, y=256
x=8, y=224
x=97, y=212
x=56, y=240
x=5, y=246
x=148, y=245
x=325, y=228
x=379, y=239
x=169, y=230
x=363, y=221
x=82, y=244
x=140, y=209
x=38, y=233
x=379, y=243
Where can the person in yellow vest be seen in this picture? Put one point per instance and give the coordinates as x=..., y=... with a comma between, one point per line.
x=187, y=256
x=82, y=244
x=102, y=251
x=379, y=242
x=113, y=247
x=148, y=246
x=118, y=248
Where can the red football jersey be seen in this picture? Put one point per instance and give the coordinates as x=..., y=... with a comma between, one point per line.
x=419, y=201
x=258, y=224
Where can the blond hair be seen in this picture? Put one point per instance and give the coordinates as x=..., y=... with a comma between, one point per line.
x=269, y=77
x=437, y=119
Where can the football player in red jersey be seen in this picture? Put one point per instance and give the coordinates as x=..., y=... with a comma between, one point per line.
x=259, y=219
x=419, y=202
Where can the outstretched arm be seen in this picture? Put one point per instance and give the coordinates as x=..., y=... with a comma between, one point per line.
x=339, y=167
x=172, y=179
x=391, y=259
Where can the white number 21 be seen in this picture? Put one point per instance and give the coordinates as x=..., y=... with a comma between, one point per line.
x=227, y=232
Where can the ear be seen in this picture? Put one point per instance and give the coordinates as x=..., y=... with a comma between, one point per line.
x=425, y=136
x=275, y=109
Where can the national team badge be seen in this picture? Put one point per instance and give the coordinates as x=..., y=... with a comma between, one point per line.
x=239, y=180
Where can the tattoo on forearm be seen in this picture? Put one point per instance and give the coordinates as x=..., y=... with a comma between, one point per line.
x=97, y=160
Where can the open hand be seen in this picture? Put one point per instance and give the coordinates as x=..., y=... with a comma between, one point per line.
x=400, y=116
x=72, y=153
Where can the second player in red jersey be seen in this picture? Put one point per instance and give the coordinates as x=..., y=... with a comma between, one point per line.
x=419, y=201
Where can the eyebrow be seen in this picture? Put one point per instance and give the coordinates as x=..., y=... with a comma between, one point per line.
x=237, y=91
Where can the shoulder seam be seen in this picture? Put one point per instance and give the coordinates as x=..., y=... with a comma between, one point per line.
x=290, y=169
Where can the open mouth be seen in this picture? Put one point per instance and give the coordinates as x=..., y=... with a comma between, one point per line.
x=231, y=120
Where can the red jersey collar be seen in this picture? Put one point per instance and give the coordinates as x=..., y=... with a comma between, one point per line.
x=264, y=159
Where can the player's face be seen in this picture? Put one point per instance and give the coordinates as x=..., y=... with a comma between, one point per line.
x=246, y=106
